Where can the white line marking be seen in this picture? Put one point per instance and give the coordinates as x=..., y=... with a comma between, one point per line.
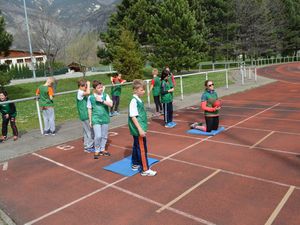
x=231, y=143
x=186, y=192
x=264, y=138
x=252, y=116
x=5, y=166
x=213, y=168
x=280, y=206
x=112, y=185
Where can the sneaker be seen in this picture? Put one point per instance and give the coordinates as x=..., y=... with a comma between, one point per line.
x=46, y=132
x=52, y=133
x=3, y=138
x=111, y=114
x=96, y=155
x=15, y=138
x=116, y=113
x=173, y=124
x=149, y=173
x=169, y=125
x=135, y=167
x=105, y=153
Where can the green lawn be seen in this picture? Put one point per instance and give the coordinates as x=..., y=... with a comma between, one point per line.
x=65, y=105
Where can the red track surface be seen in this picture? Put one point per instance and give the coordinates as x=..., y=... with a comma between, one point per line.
x=248, y=174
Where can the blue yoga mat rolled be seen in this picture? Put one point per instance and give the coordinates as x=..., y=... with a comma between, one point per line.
x=123, y=167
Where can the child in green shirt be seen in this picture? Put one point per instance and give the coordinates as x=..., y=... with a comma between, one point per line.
x=9, y=114
x=98, y=110
x=138, y=125
x=46, y=95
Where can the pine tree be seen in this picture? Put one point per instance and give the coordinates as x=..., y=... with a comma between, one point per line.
x=255, y=34
x=5, y=43
x=136, y=16
x=175, y=40
x=127, y=58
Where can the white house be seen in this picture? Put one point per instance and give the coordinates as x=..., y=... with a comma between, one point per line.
x=21, y=58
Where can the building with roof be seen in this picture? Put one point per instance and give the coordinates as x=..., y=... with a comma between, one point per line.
x=22, y=58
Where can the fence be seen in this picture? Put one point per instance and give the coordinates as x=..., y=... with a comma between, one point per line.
x=65, y=104
x=256, y=62
x=188, y=83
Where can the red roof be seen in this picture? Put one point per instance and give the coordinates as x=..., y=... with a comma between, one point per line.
x=20, y=54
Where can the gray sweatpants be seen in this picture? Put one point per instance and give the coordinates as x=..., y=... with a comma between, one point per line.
x=49, y=119
x=100, y=138
x=88, y=140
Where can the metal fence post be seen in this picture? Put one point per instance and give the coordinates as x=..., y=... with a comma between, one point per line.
x=206, y=76
x=148, y=93
x=226, y=77
x=181, y=87
x=255, y=74
x=242, y=75
x=39, y=116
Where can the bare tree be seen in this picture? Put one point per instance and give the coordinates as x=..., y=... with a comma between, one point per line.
x=49, y=37
x=83, y=49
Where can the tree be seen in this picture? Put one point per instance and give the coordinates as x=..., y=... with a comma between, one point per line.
x=136, y=16
x=6, y=40
x=175, y=40
x=49, y=37
x=291, y=33
x=127, y=58
x=256, y=33
x=83, y=49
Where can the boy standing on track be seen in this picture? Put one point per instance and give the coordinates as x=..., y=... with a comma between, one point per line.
x=98, y=109
x=82, y=96
x=155, y=88
x=138, y=125
x=116, y=88
x=46, y=95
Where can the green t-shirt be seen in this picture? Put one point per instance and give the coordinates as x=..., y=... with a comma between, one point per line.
x=141, y=118
x=100, y=111
x=8, y=108
x=166, y=97
x=156, y=86
x=117, y=88
x=82, y=107
x=209, y=97
x=45, y=100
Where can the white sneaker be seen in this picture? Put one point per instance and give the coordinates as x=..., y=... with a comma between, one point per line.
x=149, y=173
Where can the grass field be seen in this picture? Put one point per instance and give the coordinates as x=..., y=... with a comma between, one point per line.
x=65, y=105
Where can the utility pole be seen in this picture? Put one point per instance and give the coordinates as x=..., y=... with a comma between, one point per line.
x=33, y=61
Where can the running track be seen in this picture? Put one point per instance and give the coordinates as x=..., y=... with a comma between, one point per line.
x=249, y=174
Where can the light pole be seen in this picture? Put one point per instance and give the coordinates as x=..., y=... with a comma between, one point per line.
x=29, y=40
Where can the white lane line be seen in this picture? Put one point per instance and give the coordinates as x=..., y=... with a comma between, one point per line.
x=186, y=192
x=280, y=206
x=213, y=168
x=247, y=128
x=112, y=185
x=261, y=140
x=252, y=116
x=232, y=143
x=198, y=142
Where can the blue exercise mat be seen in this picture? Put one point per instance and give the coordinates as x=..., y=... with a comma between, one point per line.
x=200, y=132
x=123, y=167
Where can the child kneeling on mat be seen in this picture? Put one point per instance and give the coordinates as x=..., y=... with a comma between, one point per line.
x=138, y=125
x=211, y=106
